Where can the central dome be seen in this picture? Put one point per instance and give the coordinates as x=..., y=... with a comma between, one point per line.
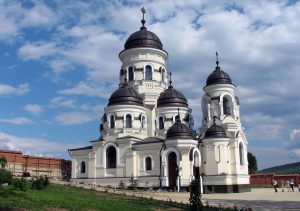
x=125, y=95
x=172, y=98
x=143, y=39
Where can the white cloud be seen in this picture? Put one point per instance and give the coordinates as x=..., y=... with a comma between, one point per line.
x=74, y=118
x=17, y=120
x=92, y=90
x=62, y=102
x=34, y=108
x=36, y=50
x=6, y=89
x=33, y=146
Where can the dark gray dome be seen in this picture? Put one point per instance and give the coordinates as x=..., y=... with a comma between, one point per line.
x=218, y=76
x=179, y=131
x=172, y=98
x=143, y=38
x=125, y=95
x=215, y=131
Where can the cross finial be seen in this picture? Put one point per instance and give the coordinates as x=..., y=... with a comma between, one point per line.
x=170, y=79
x=143, y=20
x=217, y=56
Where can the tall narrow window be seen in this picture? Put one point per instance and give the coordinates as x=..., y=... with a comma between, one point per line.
x=111, y=157
x=226, y=106
x=128, y=121
x=148, y=162
x=148, y=72
x=163, y=75
x=161, y=124
x=143, y=121
x=241, y=152
x=82, y=167
x=130, y=74
x=112, y=121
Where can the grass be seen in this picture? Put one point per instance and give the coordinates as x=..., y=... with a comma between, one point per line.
x=56, y=197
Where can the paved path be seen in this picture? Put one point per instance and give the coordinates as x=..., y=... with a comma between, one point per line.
x=258, y=199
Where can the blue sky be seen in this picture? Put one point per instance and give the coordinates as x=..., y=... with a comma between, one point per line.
x=59, y=64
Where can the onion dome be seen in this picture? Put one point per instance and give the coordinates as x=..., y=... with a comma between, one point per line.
x=143, y=38
x=218, y=76
x=171, y=97
x=179, y=131
x=215, y=131
x=125, y=95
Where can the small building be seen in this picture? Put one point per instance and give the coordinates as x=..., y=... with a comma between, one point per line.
x=18, y=164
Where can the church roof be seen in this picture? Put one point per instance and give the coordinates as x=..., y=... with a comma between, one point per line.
x=125, y=95
x=179, y=131
x=218, y=76
x=143, y=38
x=215, y=131
x=171, y=98
x=149, y=140
x=82, y=148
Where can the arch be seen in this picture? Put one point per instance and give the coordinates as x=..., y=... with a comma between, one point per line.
x=175, y=118
x=111, y=157
x=173, y=169
x=143, y=122
x=227, y=102
x=104, y=154
x=128, y=119
x=82, y=167
x=111, y=123
x=241, y=153
x=148, y=163
x=130, y=73
x=148, y=72
x=161, y=122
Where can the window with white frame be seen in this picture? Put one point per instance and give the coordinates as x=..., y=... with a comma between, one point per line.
x=82, y=167
x=112, y=121
x=163, y=75
x=148, y=72
x=161, y=123
x=130, y=73
x=148, y=163
x=143, y=122
x=128, y=121
x=241, y=153
x=111, y=157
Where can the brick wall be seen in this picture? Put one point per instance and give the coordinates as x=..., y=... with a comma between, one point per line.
x=266, y=179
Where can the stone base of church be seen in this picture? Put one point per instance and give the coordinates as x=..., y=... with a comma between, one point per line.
x=227, y=188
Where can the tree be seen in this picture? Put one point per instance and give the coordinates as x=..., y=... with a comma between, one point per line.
x=3, y=162
x=195, y=196
x=252, y=163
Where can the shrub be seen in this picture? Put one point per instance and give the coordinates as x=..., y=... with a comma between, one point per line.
x=5, y=176
x=20, y=184
x=121, y=185
x=40, y=183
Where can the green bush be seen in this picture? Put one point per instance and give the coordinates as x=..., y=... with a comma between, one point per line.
x=39, y=183
x=20, y=184
x=195, y=196
x=5, y=176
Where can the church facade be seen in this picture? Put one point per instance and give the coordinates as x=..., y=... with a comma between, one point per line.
x=147, y=129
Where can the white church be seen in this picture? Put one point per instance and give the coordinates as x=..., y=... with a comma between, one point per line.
x=147, y=129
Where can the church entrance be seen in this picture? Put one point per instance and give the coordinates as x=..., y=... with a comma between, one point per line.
x=173, y=171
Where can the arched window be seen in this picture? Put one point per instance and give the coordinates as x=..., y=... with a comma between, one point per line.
x=128, y=121
x=112, y=121
x=163, y=75
x=130, y=73
x=82, y=167
x=241, y=152
x=148, y=72
x=148, y=163
x=177, y=118
x=226, y=106
x=161, y=124
x=143, y=122
x=111, y=157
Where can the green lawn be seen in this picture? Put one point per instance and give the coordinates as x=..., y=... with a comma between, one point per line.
x=56, y=197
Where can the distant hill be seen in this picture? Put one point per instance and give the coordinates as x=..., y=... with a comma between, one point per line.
x=291, y=168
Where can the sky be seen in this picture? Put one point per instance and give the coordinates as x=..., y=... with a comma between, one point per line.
x=59, y=64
